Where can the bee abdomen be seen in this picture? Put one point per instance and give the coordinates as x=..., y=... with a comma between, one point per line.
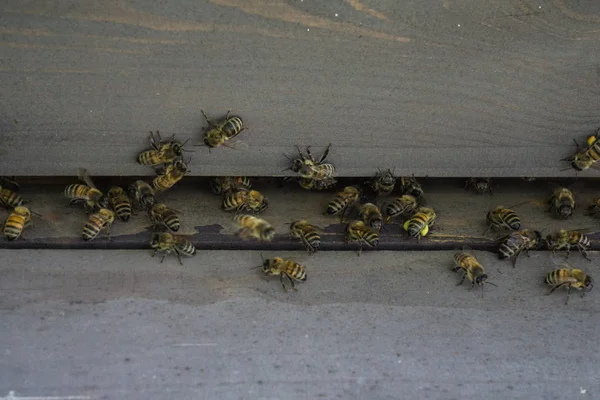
x=234, y=201
x=335, y=206
x=172, y=221
x=512, y=220
x=13, y=227
x=122, y=208
x=187, y=248
x=77, y=191
x=149, y=157
x=314, y=239
x=10, y=198
x=232, y=126
x=92, y=228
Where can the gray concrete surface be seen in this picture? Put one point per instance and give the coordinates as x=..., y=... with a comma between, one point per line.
x=437, y=87
x=114, y=325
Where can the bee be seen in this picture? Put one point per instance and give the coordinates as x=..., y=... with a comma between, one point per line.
x=569, y=278
x=420, y=223
x=308, y=168
x=471, y=268
x=586, y=158
x=358, y=231
x=15, y=223
x=403, y=205
x=253, y=227
x=309, y=184
x=87, y=193
x=243, y=200
x=594, y=209
x=562, y=202
x=409, y=185
x=162, y=215
x=228, y=184
x=480, y=185
x=307, y=234
x=220, y=133
x=343, y=200
x=161, y=153
x=384, y=182
x=119, y=202
x=371, y=215
x=103, y=219
x=170, y=176
x=516, y=242
x=501, y=217
x=9, y=196
x=285, y=269
x=142, y=195
x=168, y=243
x=565, y=239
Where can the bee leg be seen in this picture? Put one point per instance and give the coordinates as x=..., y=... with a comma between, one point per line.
x=568, y=295
x=583, y=252
x=556, y=287
x=227, y=115
x=281, y=280
x=208, y=120
x=360, y=249
x=310, y=157
x=462, y=280
x=154, y=253
x=455, y=269
x=178, y=257
x=325, y=154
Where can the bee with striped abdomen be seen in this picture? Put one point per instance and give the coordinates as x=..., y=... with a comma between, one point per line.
x=384, y=182
x=312, y=184
x=358, y=231
x=87, y=193
x=219, y=133
x=15, y=223
x=9, y=197
x=245, y=200
x=284, y=269
x=403, y=205
x=565, y=239
x=168, y=243
x=254, y=228
x=480, y=185
x=409, y=185
x=571, y=278
x=172, y=174
x=501, y=217
x=161, y=215
x=308, y=168
x=161, y=153
x=371, y=216
x=471, y=268
x=343, y=201
x=227, y=184
x=142, y=194
x=562, y=203
x=514, y=243
x=420, y=223
x=307, y=234
x=120, y=203
x=98, y=221
x=588, y=157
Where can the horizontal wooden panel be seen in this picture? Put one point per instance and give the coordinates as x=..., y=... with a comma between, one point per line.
x=435, y=88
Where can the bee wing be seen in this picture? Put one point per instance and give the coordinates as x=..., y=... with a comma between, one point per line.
x=236, y=145
x=85, y=177
x=519, y=204
x=468, y=250
x=562, y=263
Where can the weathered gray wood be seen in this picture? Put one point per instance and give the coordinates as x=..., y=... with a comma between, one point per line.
x=438, y=88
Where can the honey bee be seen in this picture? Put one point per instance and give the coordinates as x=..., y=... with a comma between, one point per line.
x=343, y=201
x=9, y=197
x=586, y=158
x=161, y=153
x=358, y=231
x=253, y=227
x=384, y=182
x=471, y=268
x=103, y=219
x=594, y=209
x=220, y=133
x=371, y=216
x=562, y=202
x=228, y=184
x=15, y=223
x=119, y=202
x=501, y=217
x=170, y=176
x=142, y=195
x=162, y=215
x=307, y=234
x=409, y=185
x=516, y=242
x=285, y=269
x=308, y=168
x=403, y=205
x=480, y=185
x=167, y=243
x=420, y=223
x=565, y=239
x=243, y=200
x=309, y=184
x=569, y=278
x=87, y=193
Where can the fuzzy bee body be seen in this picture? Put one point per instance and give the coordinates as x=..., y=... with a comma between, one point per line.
x=9, y=197
x=313, y=184
x=565, y=239
x=562, y=203
x=343, y=201
x=471, y=268
x=480, y=185
x=501, y=217
x=403, y=205
x=384, y=182
x=82, y=193
x=167, y=243
x=516, y=242
x=420, y=223
x=587, y=157
x=307, y=234
x=308, y=168
x=98, y=221
x=245, y=200
x=254, y=228
x=409, y=185
x=358, y=231
x=284, y=269
x=162, y=215
x=172, y=174
x=15, y=223
x=219, y=133
x=142, y=194
x=161, y=153
x=223, y=185
x=120, y=203
x=371, y=215
x=571, y=279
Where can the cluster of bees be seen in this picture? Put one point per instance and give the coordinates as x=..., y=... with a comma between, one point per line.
x=364, y=216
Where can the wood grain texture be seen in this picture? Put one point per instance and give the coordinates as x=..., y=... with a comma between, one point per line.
x=438, y=88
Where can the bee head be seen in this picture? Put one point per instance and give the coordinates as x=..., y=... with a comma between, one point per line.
x=297, y=165
x=177, y=148
x=576, y=166
x=588, y=284
x=388, y=178
x=155, y=240
x=480, y=280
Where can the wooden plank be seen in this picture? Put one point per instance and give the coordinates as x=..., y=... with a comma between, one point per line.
x=435, y=88
x=461, y=216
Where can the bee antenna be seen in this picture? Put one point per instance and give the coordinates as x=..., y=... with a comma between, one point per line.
x=490, y=283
